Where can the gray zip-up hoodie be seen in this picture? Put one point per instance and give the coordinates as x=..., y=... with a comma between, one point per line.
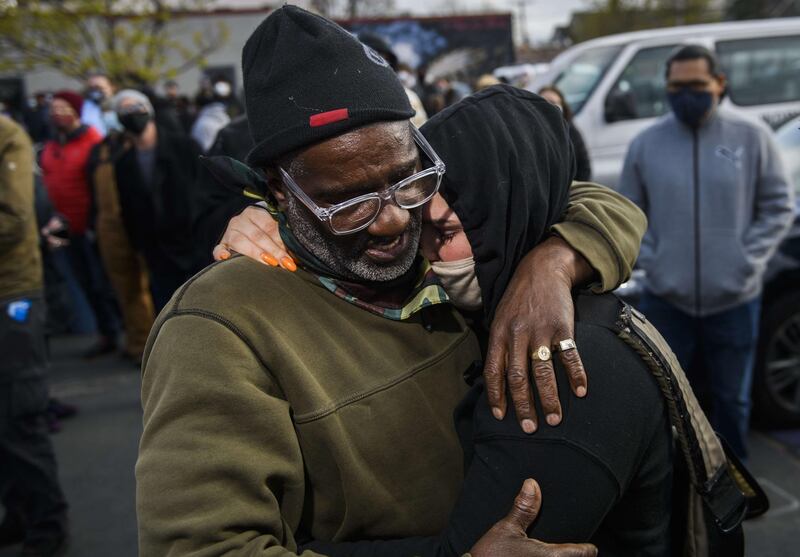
x=718, y=203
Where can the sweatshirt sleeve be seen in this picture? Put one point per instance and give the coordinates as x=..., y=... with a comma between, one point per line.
x=774, y=203
x=220, y=470
x=606, y=229
x=16, y=186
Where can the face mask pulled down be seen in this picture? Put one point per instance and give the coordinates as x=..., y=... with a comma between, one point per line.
x=460, y=282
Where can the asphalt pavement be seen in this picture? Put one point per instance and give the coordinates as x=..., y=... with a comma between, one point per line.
x=97, y=453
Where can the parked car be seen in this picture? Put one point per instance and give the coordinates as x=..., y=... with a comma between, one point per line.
x=776, y=384
x=776, y=380
x=520, y=75
x=615, y=85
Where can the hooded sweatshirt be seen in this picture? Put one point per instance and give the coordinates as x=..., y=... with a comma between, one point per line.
x=718, y=203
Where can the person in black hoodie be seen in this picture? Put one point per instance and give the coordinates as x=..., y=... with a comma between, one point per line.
x=155, y=171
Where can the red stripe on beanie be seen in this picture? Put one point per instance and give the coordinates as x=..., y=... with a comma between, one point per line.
x=325, y=118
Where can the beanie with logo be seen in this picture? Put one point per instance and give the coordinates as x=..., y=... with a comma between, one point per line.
x=306, y=79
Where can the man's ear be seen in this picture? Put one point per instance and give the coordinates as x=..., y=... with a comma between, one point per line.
x=722, y=80
x=275, y=186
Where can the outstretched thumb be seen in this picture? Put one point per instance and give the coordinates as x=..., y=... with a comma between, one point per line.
x=526, y=506
x=574, y=550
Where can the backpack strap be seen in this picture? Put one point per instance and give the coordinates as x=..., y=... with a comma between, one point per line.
x=716, y=475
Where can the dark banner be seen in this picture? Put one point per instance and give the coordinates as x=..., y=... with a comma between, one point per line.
x=460, y=47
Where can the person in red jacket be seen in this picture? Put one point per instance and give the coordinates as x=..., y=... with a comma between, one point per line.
x=64, y=163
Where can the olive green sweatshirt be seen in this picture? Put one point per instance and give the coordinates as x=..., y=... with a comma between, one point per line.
x=276, y=412
x=20, y=261
x=272, y=406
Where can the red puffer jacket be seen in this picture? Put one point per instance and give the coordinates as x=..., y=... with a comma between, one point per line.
x=66, y=176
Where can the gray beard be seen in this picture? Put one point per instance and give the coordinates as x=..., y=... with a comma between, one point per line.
x=345, y=255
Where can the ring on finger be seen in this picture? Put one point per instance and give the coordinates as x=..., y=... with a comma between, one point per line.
x=541, y=354
x=567, y=344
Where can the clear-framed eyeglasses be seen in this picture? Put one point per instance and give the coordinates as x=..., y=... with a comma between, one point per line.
x=358, y=213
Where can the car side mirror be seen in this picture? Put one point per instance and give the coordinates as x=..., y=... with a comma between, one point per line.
x=619, y=106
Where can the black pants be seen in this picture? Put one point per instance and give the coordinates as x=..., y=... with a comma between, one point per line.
x=84, y=258
x=29, y=486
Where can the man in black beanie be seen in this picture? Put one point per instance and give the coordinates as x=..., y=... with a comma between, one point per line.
x=281, y=408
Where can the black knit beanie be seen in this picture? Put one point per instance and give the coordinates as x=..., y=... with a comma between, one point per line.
x=306, y=79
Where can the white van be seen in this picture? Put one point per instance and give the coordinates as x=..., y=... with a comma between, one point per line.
x=615, y=85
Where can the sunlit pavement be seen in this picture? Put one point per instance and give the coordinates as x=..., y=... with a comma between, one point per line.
x=97, y=452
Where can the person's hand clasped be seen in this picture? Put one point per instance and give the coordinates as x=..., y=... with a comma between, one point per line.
x=509, y=538
x=254, y=233
x=55, y=233
x=534, y=321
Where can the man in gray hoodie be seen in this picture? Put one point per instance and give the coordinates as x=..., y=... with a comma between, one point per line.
x=718, y=203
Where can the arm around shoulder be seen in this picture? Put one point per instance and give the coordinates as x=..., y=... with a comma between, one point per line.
x=606, y=229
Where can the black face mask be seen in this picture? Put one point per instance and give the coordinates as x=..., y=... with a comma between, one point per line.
x=690, y=107
x=135, y=123
x=95, y=95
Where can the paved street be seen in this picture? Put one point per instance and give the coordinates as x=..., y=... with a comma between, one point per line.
x=97, y=452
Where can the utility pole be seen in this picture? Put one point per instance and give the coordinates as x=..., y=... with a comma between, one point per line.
x=522, y=16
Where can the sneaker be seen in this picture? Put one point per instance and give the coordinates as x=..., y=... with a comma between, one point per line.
x=104, y=345
x=12, y=530
x=46, y=547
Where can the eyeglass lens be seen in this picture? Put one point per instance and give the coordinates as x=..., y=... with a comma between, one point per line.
x=408, y=196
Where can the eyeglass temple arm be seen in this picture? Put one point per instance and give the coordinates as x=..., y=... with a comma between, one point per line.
x=300, y=194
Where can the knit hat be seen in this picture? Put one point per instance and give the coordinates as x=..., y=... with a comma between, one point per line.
x=132, y=94
x=72, y=98
x=306, y=79
x=379, y=45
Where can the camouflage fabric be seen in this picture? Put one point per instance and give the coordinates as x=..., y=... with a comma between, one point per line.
x=426, y=291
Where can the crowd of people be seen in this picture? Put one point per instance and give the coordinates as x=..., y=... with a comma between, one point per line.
x=299, y=398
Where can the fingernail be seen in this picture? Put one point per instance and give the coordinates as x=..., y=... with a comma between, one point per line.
x=528, y=426
x=553, y=419
x=529, y=487
x=225, y=255
x=497, y=413
x=581, y=391
x=288, y=264
x=269, y=260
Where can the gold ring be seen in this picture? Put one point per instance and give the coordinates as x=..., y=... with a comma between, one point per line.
x=567, y=344
x=542, y=354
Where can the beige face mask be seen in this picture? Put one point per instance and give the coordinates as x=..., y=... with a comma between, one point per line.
x=460, y=282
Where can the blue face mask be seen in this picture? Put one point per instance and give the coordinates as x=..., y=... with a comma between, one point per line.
x=690, y=107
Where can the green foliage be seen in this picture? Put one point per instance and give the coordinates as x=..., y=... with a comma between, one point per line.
x=132, y=41
x=758, y=9
x=618, y=16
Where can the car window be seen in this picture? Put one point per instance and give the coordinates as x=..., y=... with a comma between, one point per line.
x=762, y=71
x=789, y=133
x=583, y=74
x=788, y=139
x=640, y=91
